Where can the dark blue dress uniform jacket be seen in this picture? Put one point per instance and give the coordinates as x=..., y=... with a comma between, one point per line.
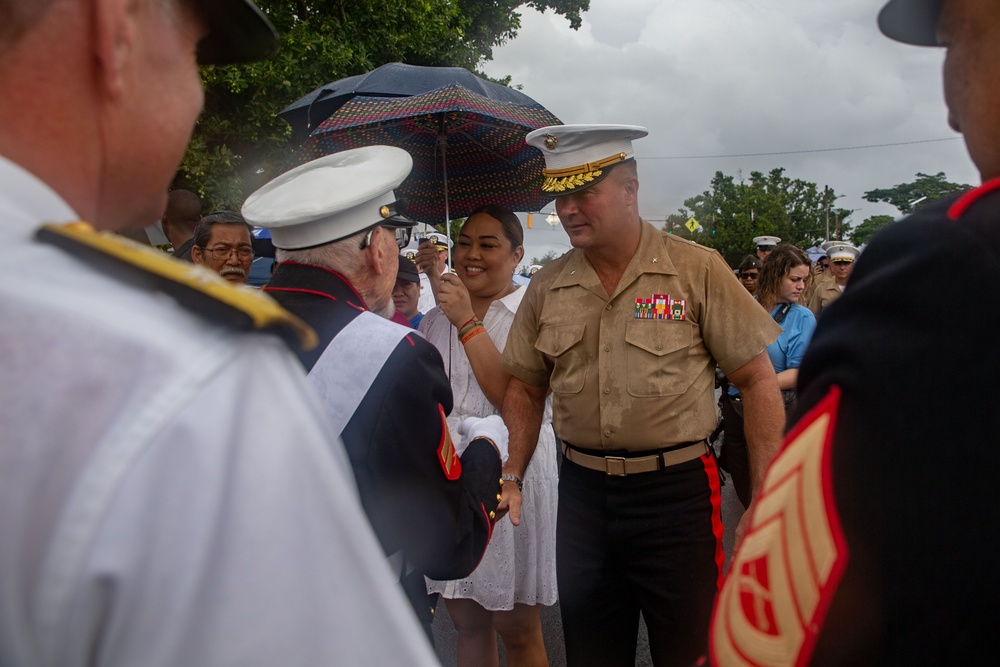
x=442, y=526
x=914, y=346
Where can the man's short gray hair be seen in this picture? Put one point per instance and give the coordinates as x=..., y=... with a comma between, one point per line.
x=344, y=256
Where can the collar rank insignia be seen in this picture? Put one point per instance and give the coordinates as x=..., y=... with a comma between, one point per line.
x=773, y=603
x=660, y=307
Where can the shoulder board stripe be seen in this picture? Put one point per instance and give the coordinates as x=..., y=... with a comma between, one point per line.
x=194, y=287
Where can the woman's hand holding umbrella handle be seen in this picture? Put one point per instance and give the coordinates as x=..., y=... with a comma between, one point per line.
x=453, y=299
x=426, y=260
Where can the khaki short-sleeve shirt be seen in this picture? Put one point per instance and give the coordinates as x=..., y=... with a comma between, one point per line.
x=636, y=371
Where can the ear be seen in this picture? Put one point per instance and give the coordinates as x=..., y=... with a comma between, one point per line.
x=631, y=187
x=115, y=33
x=196, y=255
x=518, y=255
x=375, y=254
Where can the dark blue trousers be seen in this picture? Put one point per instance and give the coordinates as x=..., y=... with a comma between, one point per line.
x=648, y=543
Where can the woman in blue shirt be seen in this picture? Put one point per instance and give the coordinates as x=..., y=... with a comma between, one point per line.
x=783, y=279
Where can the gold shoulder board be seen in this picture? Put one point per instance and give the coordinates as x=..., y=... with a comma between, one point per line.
x=194, y=287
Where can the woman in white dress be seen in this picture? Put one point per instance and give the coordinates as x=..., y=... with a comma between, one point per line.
x=476, y=307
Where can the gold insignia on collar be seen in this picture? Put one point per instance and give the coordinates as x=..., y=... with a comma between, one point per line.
x=550, y=141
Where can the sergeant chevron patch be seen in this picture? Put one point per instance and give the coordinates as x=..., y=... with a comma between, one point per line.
x=773, y=603
x=450, y=463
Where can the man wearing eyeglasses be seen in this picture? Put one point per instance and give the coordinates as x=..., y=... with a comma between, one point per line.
x=223, y=243
x=749, y=273
x=337, y=235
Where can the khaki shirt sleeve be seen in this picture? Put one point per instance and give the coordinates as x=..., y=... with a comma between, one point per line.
x=735, y=327
x=521, y=358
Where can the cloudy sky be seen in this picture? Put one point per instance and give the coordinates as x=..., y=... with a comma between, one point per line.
x=735, y=77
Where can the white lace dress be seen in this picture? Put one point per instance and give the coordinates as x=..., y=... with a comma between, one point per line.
x=520, y=562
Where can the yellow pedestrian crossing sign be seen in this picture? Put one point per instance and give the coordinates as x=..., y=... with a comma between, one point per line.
x=692, y=224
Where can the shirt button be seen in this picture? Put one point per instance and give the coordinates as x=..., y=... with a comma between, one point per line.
x=607, y=348
x=609, y=306
x=659, y=346
x=607, y=432
x=607, y=390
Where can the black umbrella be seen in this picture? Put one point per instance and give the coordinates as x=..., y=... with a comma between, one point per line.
x=392, y=80
x=467, y=150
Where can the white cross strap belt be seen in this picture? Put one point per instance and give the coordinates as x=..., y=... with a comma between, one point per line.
x=346, y=370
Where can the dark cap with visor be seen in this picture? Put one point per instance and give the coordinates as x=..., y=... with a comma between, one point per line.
x=911, y=21
x=238, y=32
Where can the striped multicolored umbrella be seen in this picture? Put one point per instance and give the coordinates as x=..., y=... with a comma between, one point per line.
x=467, y=150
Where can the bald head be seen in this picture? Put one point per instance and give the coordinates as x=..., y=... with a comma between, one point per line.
x=181, y=217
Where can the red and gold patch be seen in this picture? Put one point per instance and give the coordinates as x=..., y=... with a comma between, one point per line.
x=773, y=603
x=450, y=463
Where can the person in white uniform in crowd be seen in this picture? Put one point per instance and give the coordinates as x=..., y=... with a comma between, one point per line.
x=170, y=492
x=430, y=274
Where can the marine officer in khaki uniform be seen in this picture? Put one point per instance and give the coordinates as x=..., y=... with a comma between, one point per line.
x=626, y=330
x=765, y=244
x=842, y=258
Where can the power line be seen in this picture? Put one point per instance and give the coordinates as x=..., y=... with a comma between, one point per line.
x=812, y=150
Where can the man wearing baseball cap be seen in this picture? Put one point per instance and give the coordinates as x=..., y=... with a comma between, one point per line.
x=152, y=509
x=867, y=546
x=626, y=330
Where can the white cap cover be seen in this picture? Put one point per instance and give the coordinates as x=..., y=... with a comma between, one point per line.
x=329, y=198
x=577, y=156
x=766, y=240
x=842, y=252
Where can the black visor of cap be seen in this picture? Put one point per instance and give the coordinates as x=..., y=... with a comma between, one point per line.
x=910, y=21
x=238, y=32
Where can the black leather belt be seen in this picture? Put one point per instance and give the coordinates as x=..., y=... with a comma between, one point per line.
x=619, y=466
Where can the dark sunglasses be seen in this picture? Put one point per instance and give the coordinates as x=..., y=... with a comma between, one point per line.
x=753, y=275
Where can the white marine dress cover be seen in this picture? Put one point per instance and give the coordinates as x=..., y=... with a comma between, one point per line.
x=519, y=565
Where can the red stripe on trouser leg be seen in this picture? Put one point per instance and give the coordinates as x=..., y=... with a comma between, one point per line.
x=712, y=472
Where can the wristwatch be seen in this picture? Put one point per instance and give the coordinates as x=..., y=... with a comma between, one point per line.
x=508, y=477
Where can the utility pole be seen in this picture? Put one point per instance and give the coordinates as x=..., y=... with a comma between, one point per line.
x=826, y=198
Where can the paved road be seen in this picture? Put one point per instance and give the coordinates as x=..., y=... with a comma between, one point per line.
x=444, y=631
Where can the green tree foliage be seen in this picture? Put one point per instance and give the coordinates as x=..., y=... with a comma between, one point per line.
x=864, y=232
x=239, y=143
x=906, y=196
x=732, y=212
x=546, y=258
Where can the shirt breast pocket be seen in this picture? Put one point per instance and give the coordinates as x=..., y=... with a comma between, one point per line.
x=657, y=357
x=563, y=344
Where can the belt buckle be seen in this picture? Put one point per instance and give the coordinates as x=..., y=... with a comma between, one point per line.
x=613, y=471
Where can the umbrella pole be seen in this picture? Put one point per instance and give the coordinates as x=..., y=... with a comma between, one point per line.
x=443, y=144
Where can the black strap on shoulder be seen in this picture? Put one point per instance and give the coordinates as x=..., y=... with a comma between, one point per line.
x=779, y=316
